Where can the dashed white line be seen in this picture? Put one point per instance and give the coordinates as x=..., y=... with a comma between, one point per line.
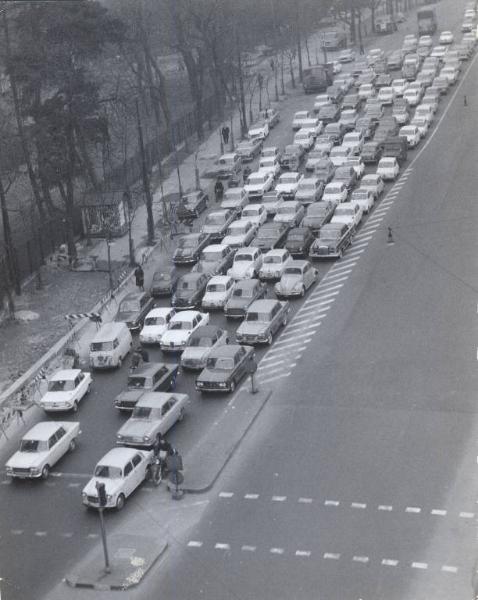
x=449, y=569
x=385, y=507
x=354, y=252
x=305, y=500
x=251, y=496
x=17, y=531
x=294, y=334
x=438, y=512
x=358, y=505
x=331, y=556
x=389, y=562
x=288, y=344
x=311, y=318
x=364, y=237
x=220, y=546
x=302, y=552
x=467, y=515
x=360, y=244
x=273, y=355
x=41, y=533
x=268, y=371
x=274, y=378
x=279, y=498
x=67, y=534
x=276, y=550
x=226, y=494
x=247, y=548
x=331, y=503
x=92, y=536
x=73, y=485
x=321, y=296
x=316, y=308
x=327, y=288
x=348, y=261
x=419, y=565
x=413, y=509
x=194, y=544
x=277, y=362
x=340, y=269
x=361, y=559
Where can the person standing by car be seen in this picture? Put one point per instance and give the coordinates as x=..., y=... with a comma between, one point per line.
x=139, y=277
x=225, y=134
x=219, y=190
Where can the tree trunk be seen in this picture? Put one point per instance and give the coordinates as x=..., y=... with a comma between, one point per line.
x=372, y=18
x=291, y=68
x=86, y=160
x=241, y=91
x=306, y=42
x=353, y=34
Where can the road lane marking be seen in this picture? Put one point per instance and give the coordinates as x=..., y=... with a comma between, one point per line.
x=325, y=304
x=389, y=562
x=413, y=509
x=294, y=333
x=449, y=569
x=194, y=544
x=361, y=559
x=419, y=565
x=247, y=548
x=305, y=500
x=226, y=494
x=220, y=546
x=360, y=244
x=311, y=319
x=276, y=550
x=339, y=277
x=287, y=344
x=67, y=534
x=327, y=287
x=354, y=252
x=331, y=503
x=340, y=269
x=270, y=371
x=467, y=515
x=277, y=362
x=73, y=475
x=93, y=536
x=315, y=301
x=73, y=485
x=375, y=220
x=279, y=498
x=331, y=556
x=358, y=505
x=274, y=355
x=346, y=261
x=438, y=512
x=302, y=552
x=263, y=381
x=17, y=531
x=385, y=507
x=364, y=237
x=251, y=496
x=41, y=533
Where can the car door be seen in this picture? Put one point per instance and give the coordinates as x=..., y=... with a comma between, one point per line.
x=169, y=413
x=160, y=381
x=129, y=479
x=52, y=449
x=60, y=446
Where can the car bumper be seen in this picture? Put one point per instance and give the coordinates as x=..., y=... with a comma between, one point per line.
x=174, y=348
x=57, y=407
x=213, y=387
x=184, y=260
x=24, y=473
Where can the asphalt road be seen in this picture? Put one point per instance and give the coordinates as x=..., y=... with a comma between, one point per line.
x=369, y=434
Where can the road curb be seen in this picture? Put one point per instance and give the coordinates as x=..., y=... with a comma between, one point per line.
x=202, y=489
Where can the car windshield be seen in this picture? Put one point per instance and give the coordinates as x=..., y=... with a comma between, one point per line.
x=243, y=257
x=286, y=210
x=216, y=287
x=181, y=325
x=161, y=277
x=243, y=293
x=273, y=260
x=155, y=321
x=296, y=235
x=201, y=341
x=333, y=190
x=187, y=243
x=141, y=412
x=255, y=179
x=108, y=472
x=130, y=306
x=31, y=446
x=338, y=152
x=211, y=255
x=344, y=210
x=214, y=219
x=255, y=316
x=316, y=211
x=329, y=236
x=360, y=195
x=307, y=186
x=250, y=212
x=187, y=285
x=387, y=163
x=64, y=385
x=220, y=363
x=293, y=271
x=136, y=382
x=99, y=346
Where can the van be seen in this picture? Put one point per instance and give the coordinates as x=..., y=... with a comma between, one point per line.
x=110, y=346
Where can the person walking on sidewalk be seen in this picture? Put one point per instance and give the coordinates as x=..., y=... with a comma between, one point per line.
x=225, y=134
x=219, y=190
x=139, y=277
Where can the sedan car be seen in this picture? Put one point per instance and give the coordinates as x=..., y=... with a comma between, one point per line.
x=386, y=95
x=225, y=368
x=163, y=282
x=325, y=170
x=422, y=124
x=340, y=155
x=192, y=205
x=149, y=377
x=180, y=329
x=247, y=263
x=336, y=192
x=348, y=119
x=240, y=233
x=366, y=126
x=269, y=164
x=258, y=184
x=66, y=388
x=244, y=294
x=329, y=113
x=288, y=183
x=217, y=222
x=263, y=319
x=388, y=168
x=346, y=56
x=366, y=90
x=214, y=259
x=364, y=198
x=292, y=157
x=399, y=86
x=355, y=141
x=299, y=240
x=255, y=213
x=271, y=202
x=297, y=278
x=347, y=175
x=258, y=131
x=133, y=308
x=249, y=149
x=373, y=183
x=41, y=448
x=450, y=73
x=411, y=134
x=299, y=117
x=218, y=292
x=154, y=414
x=235, y=199
x=310, y=190
x=314, y=157
x=371, y=152
x=304, y=138
x=270, y=235
x=121, y=470
x=358, y=165
x=291, y=212
x=189, y=290
x=318, y=214
x=155, y=324
x=349, y=214
x=446, y=37
x=189, y=248
x=201, y=343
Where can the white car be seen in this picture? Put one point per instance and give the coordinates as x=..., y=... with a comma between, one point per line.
x=399, y=86
x=41, y=448
x=201, y=343
x=353, y=140
x=121, y=470
x=269, y=164
x=374, y=183
x=258, y=183
x=247, y=263
x=255, y=213
x=425, y=111
x=321, y=100
x=310, y=190
x=446, y=37
x=304, y=138
x=235, y=198
x=218, y=291
x=363, y=198
x=313, y=125
x=412, y=96
x=66, y=388
x=430, y=102
x=155, y=324
x=274, y=264
x=386, y=95
x=411, y=134
x=271, y=202
x=336, y=192
x=290, y=212
x=154, y=414
x=348, y=213
x=357, y=163
x=422, y=124
x=240, y=233
x=374, y=55
x=439, y=52
x=366, y=91
x=258, y=131
x=339, y=155
x=388, y=168
x=450, y=73
x=180, y=329
x=288, y=183
x=299, y=117
x=270, y=152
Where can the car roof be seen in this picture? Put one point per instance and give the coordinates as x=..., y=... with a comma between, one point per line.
x=248, y=250
x=148, y=368
x=185, y=315
x=245, y=284
x=214, y=247
x=159, y=311
x=157, y=399
x=193, y=276
x=226, y=351
x=206, y=330
x=63, y=374
x=117, y=457
x=45, y=429
x=109, y=331
x=264, y=305
x=219, y=279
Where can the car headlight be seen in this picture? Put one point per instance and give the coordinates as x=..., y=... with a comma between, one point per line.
x=222, y=385
x=35, y=471
x=9, y=470
x=84, y=495
x=146, y=438
x=119, y=437
x=199, y=384
x=109, y=497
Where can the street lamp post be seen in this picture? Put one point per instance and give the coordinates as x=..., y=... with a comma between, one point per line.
x=129, y=208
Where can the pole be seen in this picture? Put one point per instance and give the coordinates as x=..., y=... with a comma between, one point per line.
x=8, y=240
x=108, y=246
x=232, y=135
x=147, y=188
x=103, y=539
x=221, y=145
x=196, y=172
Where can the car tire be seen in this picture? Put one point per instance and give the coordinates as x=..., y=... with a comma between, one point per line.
x=120, y=362
x=72, y=446
x=302, y=291
x=181, y=414
x=232, y=387
x=120, y=500
x=88, y=389
x=269, y=339
x=45, y=472
x=75, y=406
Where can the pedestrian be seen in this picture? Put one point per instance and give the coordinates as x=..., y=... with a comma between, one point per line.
x=225, y=134
x=219, y=190
x=144, y=354
x=390, y=236
x=465, y=101
x=139, y=276
x=362, y=51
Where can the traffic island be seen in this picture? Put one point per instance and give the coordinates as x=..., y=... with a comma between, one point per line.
x=132, y=556
x=206, y=461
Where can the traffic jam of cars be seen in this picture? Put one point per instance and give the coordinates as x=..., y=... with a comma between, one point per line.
x=253, y=253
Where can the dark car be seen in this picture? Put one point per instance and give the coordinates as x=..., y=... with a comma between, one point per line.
x=225, y=368
x=249, y=149
x=335, y=93
x=336, y=131
x=244, y=294
x=380, y=135
x=191, y=205
x=318, y=214
x=391, y=123
x=189, y=291
x=189, y=248
x=351, y=101
x=299, y=240
x=291, y=157
x=133, y=308
x=348, y=175
x=383, y=80
x=270, y=235
x=328, y=113
x=215, y=259
x=371, y=152
x=325, y=170
x=366, y=126
x=163, y=282
x=149, y=377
